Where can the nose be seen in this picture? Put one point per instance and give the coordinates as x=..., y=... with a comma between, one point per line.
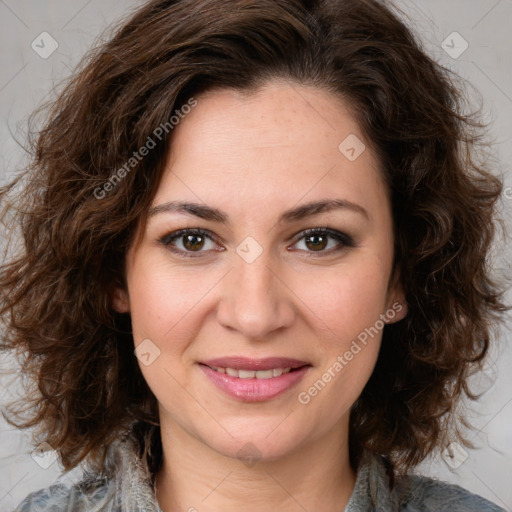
x=256, y=300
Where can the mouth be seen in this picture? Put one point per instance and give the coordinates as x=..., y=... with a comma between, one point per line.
x=254, y=374
x=246, y=368
x=254, y=380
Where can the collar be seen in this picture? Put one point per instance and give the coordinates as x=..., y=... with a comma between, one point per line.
x=132, y=487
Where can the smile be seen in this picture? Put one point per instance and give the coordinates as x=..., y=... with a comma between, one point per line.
x=254, y=385
x=251, y=374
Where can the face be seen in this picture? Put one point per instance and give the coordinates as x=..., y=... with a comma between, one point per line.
x=250, y=281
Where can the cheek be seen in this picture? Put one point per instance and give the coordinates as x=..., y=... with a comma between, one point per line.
x=344, y=310
x=161, y=298
x=163, y=302
x=344, y=301
x=345, y=315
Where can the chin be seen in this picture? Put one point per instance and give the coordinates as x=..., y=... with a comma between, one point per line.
x=260, y=443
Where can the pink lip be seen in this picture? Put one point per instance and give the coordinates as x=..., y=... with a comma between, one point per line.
x=254, y=390
x=244, y=363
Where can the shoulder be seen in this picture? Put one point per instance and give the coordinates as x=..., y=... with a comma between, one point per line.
x=420, y=493
x=410, y=492
x=124, y=484
x=81, y=497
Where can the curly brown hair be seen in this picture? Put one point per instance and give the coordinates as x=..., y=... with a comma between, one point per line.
x=85, y=386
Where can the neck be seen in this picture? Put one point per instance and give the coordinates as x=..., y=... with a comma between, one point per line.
x=194, y=477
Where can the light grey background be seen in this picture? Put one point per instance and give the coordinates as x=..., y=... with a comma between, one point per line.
x=26, y=79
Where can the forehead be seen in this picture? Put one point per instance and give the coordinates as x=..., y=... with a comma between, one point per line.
x=277, y=144
x=277, y=115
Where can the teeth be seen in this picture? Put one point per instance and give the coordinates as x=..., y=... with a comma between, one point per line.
x=251, y=374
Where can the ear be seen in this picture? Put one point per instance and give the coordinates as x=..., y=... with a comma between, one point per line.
x=396, y=306
x=120, y=300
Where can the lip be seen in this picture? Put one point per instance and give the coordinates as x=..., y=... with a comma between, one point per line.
x=245, y=363
x=255, y=390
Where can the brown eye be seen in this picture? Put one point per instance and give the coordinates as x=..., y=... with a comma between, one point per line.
x=186, y=242
x=193, y=242
x=319, y=239
x=316, y=242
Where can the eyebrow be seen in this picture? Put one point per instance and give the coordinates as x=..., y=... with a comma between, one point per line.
x=301, y=212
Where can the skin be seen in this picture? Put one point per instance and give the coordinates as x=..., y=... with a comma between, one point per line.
x=255, y=156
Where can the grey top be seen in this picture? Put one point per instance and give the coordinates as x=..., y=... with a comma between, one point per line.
x=130, y=489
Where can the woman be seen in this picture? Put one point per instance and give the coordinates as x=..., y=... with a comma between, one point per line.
x=254, y=272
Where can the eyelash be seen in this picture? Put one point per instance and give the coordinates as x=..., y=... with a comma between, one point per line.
x=344, y=239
